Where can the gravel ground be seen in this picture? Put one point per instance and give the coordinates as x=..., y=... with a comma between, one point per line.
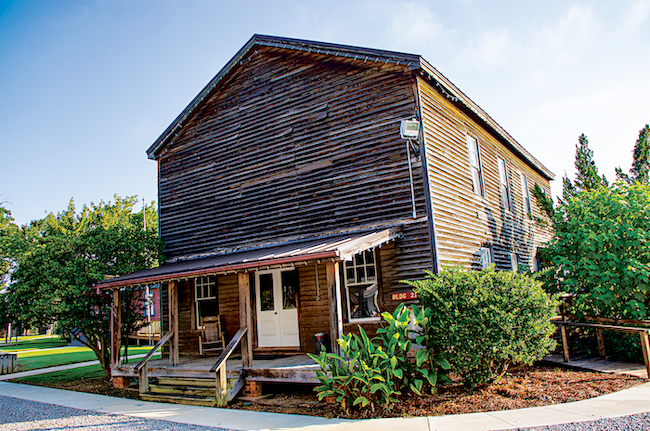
x=17, y=415
x=640, y=422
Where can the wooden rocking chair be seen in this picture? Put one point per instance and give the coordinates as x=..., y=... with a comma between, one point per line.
x=211, y=337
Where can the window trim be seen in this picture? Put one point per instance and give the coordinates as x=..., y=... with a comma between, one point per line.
x=472, y=143
x=485, y=251
x=514, y=262
x=504, y=184
x=370, y=319
x=207, y=282
x=525, y=194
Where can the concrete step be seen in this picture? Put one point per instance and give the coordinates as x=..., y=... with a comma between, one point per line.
x=203, y=391
x=180, y=399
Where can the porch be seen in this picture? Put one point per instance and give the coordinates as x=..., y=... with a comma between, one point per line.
x=287, y=369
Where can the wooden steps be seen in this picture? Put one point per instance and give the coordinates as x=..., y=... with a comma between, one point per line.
x=190, y=391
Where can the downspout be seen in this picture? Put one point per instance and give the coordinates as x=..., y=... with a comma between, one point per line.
x=425, y=176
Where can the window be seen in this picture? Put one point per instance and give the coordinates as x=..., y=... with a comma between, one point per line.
x=504, y=185
x=514, y=262
x=148, y=304
x=475, y=166
x=485, y=254
x=205, y=298
x=362, y=286
x=525, y=194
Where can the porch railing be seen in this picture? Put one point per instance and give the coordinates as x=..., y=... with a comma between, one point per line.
x=141, y=367
x=219, y=367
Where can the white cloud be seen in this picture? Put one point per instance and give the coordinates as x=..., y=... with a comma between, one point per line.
x=490, y=48
x=636, y=15
x=413, y=24
x=563, y=42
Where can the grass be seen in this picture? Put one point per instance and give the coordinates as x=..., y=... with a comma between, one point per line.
x=32, y=353
x=32, y=343
x=89, y=372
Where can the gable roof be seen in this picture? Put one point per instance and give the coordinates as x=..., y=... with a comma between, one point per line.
x=412, y=61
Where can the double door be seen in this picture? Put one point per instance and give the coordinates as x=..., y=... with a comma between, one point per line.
x=276, y=293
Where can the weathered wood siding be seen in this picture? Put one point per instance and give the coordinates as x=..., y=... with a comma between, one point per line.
x=290, y=145
x=313, y=313
x=464, y=220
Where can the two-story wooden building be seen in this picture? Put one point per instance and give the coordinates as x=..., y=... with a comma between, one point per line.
x=290, y=205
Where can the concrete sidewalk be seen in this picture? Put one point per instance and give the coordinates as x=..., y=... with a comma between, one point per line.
x=630, y=401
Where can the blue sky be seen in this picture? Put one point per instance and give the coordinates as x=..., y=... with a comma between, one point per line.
x=87, y=86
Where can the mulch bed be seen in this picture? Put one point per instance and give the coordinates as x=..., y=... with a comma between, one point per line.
x=522, y=387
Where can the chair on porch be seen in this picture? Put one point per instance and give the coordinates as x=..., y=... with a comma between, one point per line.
x=211, y=337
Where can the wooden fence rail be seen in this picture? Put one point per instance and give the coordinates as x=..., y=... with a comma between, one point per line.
x=8, y=363
x=644, y=335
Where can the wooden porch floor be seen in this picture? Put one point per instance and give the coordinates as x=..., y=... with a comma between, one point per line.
x=601, y=364
x=289, y=369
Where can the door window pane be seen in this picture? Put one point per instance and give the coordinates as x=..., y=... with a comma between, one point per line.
x=290, y=289
x=266, y=292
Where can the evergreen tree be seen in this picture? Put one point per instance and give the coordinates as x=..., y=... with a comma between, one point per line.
x=587, y=177
x=640, y=170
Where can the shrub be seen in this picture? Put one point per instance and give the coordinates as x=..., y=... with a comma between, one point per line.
x=486, y=321
x=373, y=373
x=601, y=251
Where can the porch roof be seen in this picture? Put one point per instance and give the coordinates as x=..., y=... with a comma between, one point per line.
x=340, y=247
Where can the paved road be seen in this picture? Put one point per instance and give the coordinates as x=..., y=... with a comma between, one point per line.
x=18, y=415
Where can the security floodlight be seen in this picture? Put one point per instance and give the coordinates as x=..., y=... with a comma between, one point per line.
x=409, y=129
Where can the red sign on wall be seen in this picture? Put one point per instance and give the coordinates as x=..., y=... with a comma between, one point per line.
x=404, y=296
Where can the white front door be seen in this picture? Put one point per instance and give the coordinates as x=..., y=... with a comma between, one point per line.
x=277, y=313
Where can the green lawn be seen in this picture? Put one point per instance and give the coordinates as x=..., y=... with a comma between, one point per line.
x=89, y=372
x=45, y=352
x=34, y=342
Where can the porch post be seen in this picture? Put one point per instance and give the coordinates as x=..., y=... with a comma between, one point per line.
x=172, y=290
x=116, y=318
x=334, y=298
x=245, y=318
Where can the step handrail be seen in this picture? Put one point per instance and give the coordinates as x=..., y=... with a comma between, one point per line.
x=157, y=346
x=232, y=345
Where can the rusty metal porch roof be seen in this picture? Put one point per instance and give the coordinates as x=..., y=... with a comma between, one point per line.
x=340, y=247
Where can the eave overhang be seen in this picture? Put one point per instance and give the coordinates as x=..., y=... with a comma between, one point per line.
x=338, y=248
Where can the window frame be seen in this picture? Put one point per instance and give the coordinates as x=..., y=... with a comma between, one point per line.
x=485, y=251
x=477, y=182
x=525, y=194
x=354, y=266
x=204, y=281
x=504, y=184
x=514, y=262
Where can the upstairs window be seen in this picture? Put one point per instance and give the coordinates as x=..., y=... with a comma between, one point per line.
x=485, y=254
x=362, y=286
x=525, y=194
x=475, y=166
x=514, y=262
x=504, y=185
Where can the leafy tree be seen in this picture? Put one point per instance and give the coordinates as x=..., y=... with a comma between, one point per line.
x=601, y=251
x=8, y=229
x=59, y=258
x=640, y=170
